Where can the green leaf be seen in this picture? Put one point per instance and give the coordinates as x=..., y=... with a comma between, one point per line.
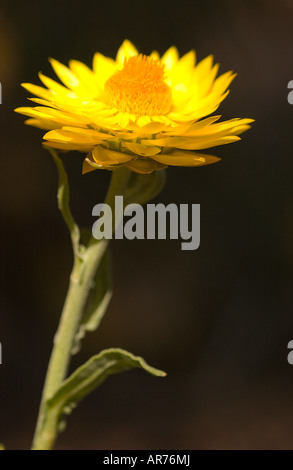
x=63, y=201
x=143, y=188
x=99, y=299
x=90, y=376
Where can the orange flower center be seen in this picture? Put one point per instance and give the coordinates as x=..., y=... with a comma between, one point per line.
x=139, y=88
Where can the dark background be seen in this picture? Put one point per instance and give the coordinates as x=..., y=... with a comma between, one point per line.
x=217, y=319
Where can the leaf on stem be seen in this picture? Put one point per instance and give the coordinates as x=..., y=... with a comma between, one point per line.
x=90, y=376
x=98, y=301
x=63, y=201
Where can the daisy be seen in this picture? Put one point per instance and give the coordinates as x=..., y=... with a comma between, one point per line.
x=142, y=112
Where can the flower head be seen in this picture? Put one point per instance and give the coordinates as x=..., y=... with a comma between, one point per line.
x=143, y=112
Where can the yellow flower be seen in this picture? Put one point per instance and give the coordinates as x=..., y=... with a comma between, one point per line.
x=144, y=112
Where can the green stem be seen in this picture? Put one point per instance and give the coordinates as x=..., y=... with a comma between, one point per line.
x=81, y=280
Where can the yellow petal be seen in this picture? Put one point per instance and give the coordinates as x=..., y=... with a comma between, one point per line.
x=90, y=165
x=194, y=128
x=42, y=102
x=127, y=49
x=85, y=76
x=53, y=85
x=61, y=135
x=170, y=57
x=187, y=61
x=142, y=150
x=179, y=77
x=68, y=146
x=91, y=132
x=65, y=75
x=87, y=166
x=143, y=121
x=39, y=91
x=123, y=120
x=223, y=81
x=59, y=117
x=104, y=156
x=152, y=128
x=205, y=84
x=155, y=55
x=144, y=166
x=219, y=129
x=203, y=67
x=103, y=68
x=193, y=143
x=181, y=158
x=44, y=124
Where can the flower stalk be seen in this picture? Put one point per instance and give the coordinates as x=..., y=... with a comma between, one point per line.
x=81, y=281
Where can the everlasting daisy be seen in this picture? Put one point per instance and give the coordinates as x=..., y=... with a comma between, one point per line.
x=143, y=112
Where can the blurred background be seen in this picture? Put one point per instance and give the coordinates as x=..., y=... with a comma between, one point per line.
x=217, y=319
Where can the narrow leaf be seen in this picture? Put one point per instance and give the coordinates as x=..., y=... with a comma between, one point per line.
x=99, y=299
x=63, y=200
x=91, y=375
